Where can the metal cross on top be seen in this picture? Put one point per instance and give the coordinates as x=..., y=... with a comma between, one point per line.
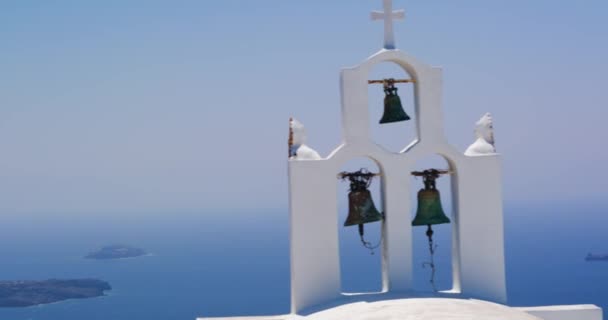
x=388, y=15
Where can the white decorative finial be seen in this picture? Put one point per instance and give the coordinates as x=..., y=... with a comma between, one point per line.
x=298, y=150
x=388, y=15
x=484, y=131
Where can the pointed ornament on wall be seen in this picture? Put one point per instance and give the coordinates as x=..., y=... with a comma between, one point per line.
x=484, y=131
x=298, y=150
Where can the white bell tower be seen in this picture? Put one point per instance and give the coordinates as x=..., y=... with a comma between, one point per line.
x=478, y=246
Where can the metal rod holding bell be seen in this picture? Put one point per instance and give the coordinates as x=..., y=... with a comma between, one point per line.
x=432, y=172
x=383, y=81
x=360, y=173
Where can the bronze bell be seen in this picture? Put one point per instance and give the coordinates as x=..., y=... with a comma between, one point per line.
x=393, y=110
x=429, y=210
x=361, y=208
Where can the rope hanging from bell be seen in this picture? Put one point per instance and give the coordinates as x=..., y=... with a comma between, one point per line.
x=431, y=262
x=361, y=208
x=430, y=212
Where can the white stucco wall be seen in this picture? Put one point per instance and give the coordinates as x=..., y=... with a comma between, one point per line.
x=478, y=249
x=570, y=312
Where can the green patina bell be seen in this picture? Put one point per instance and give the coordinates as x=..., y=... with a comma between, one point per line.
x=429, y=210
x=361, y=208
x=393, y=110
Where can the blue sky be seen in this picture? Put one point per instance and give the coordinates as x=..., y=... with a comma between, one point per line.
x=157, y=106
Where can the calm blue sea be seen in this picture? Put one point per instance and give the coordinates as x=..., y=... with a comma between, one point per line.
x=212, y=264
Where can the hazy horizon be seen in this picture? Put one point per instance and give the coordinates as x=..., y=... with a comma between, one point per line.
x=161, y=107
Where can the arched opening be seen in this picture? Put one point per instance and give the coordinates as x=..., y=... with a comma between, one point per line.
x=433, y=272
x=360, y=266
x=393, y=136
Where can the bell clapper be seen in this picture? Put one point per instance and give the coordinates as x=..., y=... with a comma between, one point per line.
x=431, y=263
x=368, y=244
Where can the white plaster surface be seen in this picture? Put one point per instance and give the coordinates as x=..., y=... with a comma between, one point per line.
x=568, y=312
x=440, y=309
x=304, y=152
x=423, y=309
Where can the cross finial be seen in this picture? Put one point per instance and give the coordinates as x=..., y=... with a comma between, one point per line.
x=388, y=15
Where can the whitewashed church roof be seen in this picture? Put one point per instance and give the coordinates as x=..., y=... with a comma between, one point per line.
x=423, y=309
x=412, y=309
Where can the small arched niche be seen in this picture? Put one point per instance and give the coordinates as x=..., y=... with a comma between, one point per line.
x=360, y=270
x=394, y=136
x=443, y=258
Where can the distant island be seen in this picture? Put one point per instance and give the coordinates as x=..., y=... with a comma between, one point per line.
x=115, y=252
x=596, y=257
x=31, y=293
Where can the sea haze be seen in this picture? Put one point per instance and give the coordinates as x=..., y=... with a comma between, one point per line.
x=212, y=264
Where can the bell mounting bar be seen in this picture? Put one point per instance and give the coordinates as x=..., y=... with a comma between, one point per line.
x=431, y=172
x=386, y=81
x=361, y=173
